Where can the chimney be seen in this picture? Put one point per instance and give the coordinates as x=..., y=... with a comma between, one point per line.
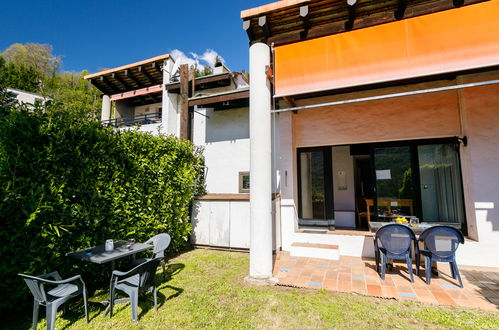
x=219, y=67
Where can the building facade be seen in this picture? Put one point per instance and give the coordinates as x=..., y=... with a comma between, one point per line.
x=161, y=97
x=373, y=111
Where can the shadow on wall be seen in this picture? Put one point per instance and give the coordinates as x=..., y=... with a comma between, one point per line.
x=486, y=211
x=368, y=247
x=227, y=125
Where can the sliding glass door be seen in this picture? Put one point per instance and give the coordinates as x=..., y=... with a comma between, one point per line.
x=418, y=178
x=395, y=188
x=315, y=193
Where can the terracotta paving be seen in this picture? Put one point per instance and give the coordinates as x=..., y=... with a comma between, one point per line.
x=351, y=274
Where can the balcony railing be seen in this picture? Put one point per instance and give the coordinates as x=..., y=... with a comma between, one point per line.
x=142, y=119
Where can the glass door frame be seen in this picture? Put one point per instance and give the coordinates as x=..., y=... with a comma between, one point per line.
x=328, y=179
x=413, y=144
x=414, y=167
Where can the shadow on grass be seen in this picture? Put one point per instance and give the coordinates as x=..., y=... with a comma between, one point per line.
x=172, y=270
x=75, y=311
x=161, y=284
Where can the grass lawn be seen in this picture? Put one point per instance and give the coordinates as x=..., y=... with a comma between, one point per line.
x=207, y=290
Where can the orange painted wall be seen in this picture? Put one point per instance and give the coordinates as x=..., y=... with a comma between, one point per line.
x=406, y=118
x=452, y=40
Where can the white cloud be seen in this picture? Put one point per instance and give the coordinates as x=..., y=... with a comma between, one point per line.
x=208, y=58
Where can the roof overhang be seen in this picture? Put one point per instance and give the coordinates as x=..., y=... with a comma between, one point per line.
x=204, y=82
x=289, y=21
x=131, y=77
x=225, y=100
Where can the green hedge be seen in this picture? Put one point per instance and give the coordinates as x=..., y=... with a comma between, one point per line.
x=67, y=183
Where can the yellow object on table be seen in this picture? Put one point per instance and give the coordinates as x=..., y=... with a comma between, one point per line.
x=401, y=220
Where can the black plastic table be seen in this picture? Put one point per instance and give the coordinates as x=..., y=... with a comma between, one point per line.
x=99, y=255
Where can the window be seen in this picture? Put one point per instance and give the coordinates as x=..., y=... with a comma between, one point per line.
x=244, y=182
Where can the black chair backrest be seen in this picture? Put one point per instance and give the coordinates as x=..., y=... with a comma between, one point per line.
x=149, y=272
x=36, y=286
x=395, y=238
x=442, y=241
x=146, y=272
x=161, y=243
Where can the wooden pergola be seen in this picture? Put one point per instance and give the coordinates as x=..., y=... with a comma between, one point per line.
x=141, y=82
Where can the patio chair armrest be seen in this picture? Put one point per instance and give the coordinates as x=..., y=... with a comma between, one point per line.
x=54, y=275
x=69, y=280
x=118, y=273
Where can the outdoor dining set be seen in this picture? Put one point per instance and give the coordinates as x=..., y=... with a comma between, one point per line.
x=434, y=244
x=132, y=283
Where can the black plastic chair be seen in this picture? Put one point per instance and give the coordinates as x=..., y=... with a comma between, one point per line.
x=62, y=291
x=394, y=241
x=161, y=243
x=441, y=243
x=134, y=283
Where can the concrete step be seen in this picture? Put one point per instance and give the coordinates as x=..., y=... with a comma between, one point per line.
x=311, y=250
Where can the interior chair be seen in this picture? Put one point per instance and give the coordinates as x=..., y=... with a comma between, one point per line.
x=134, y=283
x=440, y=244
x=60, y=292
x=161, y=243
x=368, y=203
x=394, y=241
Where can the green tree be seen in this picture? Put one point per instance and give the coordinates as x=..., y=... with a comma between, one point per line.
x=37, y=56
x=76, y=94
x=19, y=77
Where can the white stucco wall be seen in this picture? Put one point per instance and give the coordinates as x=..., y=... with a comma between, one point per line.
x=481, y=124
x=27, y=97
x=343, y=187
x=225, y=137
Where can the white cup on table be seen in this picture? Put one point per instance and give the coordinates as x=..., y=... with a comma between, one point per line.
x=109, y=245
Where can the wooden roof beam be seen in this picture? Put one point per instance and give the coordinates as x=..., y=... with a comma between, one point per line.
x=121, y=81
x=304, y=11
x=458, y=3
x=141, y=100
x=155, y=100
x=352, y=7
x=399, y=13
x=249, y=31
x=103, y=87
x=157, y=68
x=132, y=78
x=146, y=74
x=264, y=25
x=108, y=84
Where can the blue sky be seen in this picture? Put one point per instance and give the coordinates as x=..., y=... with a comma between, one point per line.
x=95, y=34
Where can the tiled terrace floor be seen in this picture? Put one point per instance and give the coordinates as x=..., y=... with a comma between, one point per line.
x=351, y=274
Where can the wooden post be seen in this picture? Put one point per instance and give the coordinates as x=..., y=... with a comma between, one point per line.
x=184, y=101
